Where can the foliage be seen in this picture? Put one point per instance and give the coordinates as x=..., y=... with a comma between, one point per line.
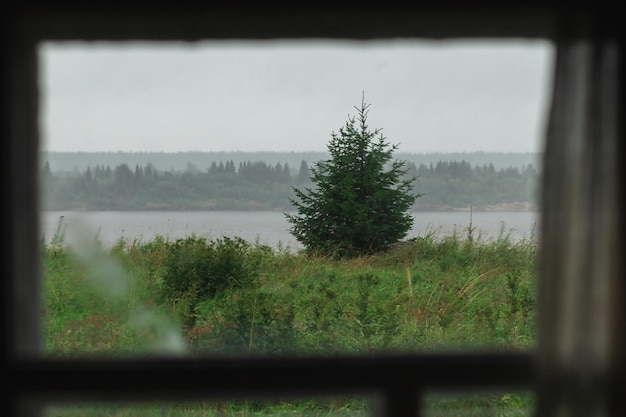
x=231, y=296
x=287, y=407
x=359, y=202
x=450, y=184
x=82, y=317
x=264, y=186
x=430, y=294
x=195, y=269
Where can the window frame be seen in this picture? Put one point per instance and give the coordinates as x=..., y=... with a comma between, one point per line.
x=397, y=381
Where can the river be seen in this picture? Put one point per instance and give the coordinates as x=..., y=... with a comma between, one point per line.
x=266, y=227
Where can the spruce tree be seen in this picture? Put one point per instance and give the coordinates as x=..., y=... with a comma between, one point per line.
x=360, y=199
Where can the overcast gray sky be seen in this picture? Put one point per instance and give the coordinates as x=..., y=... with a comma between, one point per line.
x=426, y=96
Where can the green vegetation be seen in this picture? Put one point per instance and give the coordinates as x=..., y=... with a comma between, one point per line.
x=335, y=407
x=260, y=185
x=493, y=404
x=226, y=296
x=360, y=200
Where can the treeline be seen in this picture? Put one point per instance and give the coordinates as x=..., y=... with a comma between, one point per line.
x=449, y=185
x=257, y=185
x=178, y=161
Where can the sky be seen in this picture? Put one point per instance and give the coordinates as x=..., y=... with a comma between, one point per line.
x=425, y=96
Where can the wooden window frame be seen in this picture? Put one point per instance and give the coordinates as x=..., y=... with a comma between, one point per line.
x=397, y=381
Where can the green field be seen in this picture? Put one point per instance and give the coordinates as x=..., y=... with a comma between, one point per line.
x=227, y=296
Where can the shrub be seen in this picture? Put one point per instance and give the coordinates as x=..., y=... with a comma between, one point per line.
x=195, y=269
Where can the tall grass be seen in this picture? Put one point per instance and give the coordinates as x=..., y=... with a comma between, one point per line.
x=229, y=297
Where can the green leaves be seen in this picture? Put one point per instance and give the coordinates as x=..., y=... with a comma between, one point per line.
x=196, y=269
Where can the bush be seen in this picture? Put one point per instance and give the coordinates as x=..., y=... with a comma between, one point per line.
x=196, y=269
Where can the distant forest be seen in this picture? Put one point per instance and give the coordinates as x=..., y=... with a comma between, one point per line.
x=245, y=181
x=181, y=161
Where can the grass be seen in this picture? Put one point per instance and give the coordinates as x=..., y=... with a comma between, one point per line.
x=278, y=408
x=431, y=293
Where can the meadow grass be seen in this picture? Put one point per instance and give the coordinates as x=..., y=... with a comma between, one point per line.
x=195, y=296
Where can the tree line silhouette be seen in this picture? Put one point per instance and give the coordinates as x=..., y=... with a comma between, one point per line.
x=257, y=185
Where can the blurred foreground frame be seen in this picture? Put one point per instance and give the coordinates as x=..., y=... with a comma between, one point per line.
x=579, y=364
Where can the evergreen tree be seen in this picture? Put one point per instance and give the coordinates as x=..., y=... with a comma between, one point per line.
x=360, y=201
x=304, y=173
x=230, y=168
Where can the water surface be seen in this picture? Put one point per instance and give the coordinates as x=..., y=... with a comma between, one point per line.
x=266, y=227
